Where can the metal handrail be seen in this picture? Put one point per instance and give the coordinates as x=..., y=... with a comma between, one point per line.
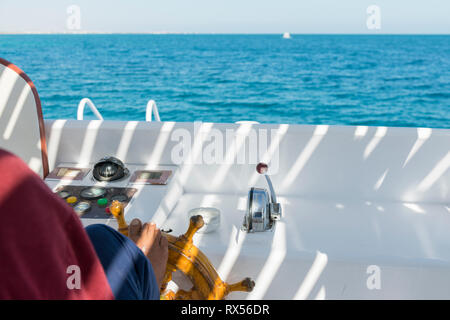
x=151, y=107
x=82, y=104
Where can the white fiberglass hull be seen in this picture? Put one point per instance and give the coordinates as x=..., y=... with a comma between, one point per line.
x=366, y=210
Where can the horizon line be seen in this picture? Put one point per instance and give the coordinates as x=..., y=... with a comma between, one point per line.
x=198, y=33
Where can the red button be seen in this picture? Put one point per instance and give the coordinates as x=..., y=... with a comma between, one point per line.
x=107, y=210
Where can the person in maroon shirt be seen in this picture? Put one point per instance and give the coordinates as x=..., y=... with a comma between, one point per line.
x=45, y=253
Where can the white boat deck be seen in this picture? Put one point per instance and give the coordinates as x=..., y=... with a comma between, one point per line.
x=320, y=235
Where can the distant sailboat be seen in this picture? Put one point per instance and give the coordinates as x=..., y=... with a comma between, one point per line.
x=286, y=35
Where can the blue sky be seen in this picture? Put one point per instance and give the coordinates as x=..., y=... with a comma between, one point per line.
x=227, y=16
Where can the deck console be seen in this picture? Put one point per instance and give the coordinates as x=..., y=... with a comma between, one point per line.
x=93, y=202
x=140, y=189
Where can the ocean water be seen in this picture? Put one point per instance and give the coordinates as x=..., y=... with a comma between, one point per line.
x=381, y=80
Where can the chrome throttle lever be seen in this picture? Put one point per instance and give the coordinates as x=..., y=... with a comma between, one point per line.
x=262, y=210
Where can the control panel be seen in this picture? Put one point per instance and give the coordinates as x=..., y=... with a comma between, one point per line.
x=93, y=202
x=91, y=189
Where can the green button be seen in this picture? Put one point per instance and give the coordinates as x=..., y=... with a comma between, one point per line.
x=102, y=202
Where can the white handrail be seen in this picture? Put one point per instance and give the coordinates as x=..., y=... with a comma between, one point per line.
x=82, y=104
x=151, y=107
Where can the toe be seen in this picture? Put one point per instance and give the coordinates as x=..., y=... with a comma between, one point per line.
x=164, y=244
x=149, y=230
x=134, y=230
x=158, y=236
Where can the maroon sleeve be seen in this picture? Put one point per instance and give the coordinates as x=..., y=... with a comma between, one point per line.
x=43, y=245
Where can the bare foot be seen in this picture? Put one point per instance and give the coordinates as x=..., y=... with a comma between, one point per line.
x=154, y=245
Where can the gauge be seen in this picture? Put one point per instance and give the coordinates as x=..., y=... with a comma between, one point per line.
x=67, y=173
x=82, y=207
x=93, y=193
x=109, y=169
x=63, y=194
x=150, y=175
x=120, y=198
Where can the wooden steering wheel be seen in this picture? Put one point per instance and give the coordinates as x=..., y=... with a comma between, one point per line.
x=191, y=261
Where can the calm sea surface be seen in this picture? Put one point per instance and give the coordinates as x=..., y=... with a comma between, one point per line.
x=309, y=79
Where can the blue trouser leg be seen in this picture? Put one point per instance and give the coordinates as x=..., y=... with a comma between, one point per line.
x=129, y=272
